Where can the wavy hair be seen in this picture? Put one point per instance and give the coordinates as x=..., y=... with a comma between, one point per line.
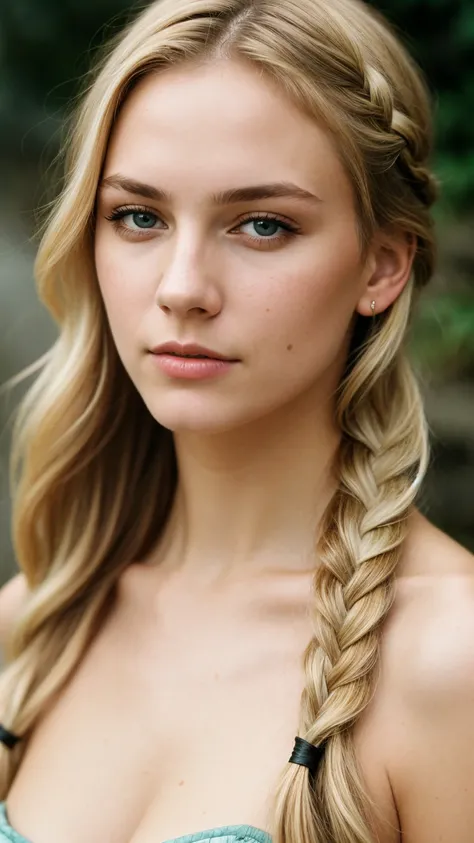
x=93, y=475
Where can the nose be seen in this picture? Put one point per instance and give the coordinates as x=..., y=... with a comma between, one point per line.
x=187, y=285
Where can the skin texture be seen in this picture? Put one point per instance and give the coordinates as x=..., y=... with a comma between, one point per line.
x=184, y=710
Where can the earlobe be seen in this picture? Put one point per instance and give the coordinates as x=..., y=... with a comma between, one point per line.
x=394, y=255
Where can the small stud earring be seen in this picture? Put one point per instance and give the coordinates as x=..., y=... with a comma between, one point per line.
x=372, y=306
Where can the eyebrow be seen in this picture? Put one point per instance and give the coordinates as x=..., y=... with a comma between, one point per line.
x=224, y=197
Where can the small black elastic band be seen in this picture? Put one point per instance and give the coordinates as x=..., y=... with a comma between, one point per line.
x=8, y=738
x=306, y=754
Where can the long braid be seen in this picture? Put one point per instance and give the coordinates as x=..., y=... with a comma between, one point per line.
x=383, y=451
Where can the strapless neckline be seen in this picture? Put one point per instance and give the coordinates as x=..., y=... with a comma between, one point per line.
x=226, y=834
x=220, y=834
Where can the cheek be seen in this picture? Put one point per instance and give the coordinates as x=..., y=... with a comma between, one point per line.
x=123, y=296
x=310, y=313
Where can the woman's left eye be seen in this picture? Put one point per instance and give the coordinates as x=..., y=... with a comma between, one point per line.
x=266, y=225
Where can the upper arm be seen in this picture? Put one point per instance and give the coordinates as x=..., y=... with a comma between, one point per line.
x=433, y=757
x=12, y=598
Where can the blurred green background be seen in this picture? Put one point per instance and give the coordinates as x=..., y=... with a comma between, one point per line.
x=45, y=50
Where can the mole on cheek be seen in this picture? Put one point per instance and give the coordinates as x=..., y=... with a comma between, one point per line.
x=289, y=347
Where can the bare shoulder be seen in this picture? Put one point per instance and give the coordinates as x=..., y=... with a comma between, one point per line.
x=432, y=622
x=426, y=687
x=12, y=598
x=429, y=552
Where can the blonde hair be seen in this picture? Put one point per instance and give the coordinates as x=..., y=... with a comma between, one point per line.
x=81, y=514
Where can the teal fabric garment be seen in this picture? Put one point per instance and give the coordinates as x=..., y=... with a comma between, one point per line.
x=7, y=834
x=225, y=834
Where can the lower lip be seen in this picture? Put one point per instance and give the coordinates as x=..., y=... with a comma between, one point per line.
x=191, y=368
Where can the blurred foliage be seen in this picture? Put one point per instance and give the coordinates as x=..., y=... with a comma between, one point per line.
x=440, y=35
x=45, y=48
x=444, y=337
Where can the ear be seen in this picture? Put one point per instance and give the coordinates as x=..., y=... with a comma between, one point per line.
x=389, y=267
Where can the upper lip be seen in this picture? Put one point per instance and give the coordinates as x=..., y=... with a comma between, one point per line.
x=188, y=349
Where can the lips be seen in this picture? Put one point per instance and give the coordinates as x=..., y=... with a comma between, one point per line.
x=193, y=356
x=191, y=350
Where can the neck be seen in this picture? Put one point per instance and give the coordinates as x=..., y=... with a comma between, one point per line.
x=251, y=499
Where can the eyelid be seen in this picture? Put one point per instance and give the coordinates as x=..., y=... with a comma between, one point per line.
x=123, y=209
x=130, y=209
x=269, y=215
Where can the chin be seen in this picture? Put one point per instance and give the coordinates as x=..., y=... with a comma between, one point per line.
x=201, y=414
x=191, y=416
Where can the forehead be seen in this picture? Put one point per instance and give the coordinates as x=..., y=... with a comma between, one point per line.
x=221, y=124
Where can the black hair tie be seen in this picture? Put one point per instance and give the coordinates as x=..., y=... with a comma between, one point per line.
x=307, y=754
x=8, y=738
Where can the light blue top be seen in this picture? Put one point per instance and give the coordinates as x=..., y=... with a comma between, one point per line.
x=225, y=834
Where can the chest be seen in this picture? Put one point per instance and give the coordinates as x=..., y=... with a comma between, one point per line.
x=180, y=718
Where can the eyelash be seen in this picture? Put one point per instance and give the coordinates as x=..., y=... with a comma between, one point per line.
x=289, y=229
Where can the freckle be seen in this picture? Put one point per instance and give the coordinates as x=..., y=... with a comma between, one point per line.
x=289, y=347
x=216, y=676
x=268, y=310
x=181, y=783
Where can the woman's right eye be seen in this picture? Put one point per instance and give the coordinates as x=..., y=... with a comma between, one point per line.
x=142, y=219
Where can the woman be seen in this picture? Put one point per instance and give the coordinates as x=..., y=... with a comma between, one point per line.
x=219, y=554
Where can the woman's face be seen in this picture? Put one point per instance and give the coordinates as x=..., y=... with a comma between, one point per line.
x=272, y=282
